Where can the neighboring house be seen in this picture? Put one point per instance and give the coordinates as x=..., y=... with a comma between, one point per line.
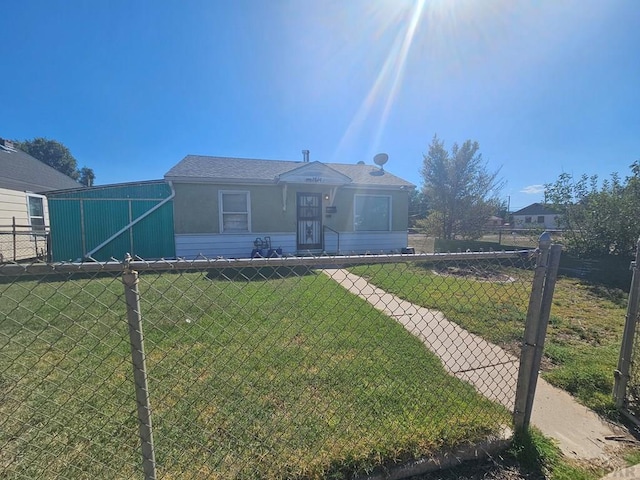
x=493, y=222
x=231, y=207
x=23, y=207
x=537, y=216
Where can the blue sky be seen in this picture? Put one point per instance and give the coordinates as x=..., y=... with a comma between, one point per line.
x=133, y=86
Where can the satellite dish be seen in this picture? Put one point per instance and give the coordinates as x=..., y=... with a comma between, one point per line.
x=380, y=159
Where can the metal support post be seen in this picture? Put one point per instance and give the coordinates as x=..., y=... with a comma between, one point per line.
x=134, y=317
x=49, y=255
x=536, y=328
x=15, y=240
x=626, y=349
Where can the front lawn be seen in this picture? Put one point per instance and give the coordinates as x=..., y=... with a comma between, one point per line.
x=290, y=377
x=585, y=328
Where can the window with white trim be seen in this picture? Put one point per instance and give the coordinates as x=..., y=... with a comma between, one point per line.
x=372, y=213
x=35, y=204
x=235, y=215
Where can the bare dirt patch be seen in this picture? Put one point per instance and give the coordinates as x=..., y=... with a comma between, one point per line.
x=474, y=273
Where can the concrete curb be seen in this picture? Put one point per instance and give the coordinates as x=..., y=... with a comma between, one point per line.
x=482, y=450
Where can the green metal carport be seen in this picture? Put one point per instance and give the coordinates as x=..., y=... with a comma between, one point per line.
x=109, y=221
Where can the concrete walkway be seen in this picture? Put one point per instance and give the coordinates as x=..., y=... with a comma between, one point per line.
x=579, y=432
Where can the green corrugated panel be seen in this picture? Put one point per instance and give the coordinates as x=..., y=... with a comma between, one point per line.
x=153, y=235
x=106, y=211
x=151, y=190
x=66, y=234
x=103, y=219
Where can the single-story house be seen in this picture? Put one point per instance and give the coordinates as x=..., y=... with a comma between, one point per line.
x=537, y=216
x=493, y=222
x=238, y=207
x=23, y=205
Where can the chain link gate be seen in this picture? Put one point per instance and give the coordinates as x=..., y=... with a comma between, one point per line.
x=264, y=368
x=627, y=376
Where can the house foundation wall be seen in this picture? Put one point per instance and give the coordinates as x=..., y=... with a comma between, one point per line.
x=191, y=246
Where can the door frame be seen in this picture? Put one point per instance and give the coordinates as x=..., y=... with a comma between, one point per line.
x=309, y=221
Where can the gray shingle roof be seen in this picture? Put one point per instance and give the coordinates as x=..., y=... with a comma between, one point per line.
x=246, y=170
x=20, y=171
x=537, y=209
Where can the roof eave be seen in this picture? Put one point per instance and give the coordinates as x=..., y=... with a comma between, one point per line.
x=218, y=180
x=367, y=186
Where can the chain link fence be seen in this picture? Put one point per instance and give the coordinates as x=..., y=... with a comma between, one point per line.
x=627, y=376
x=324, y=367
x=632, y=401
x=19, y=243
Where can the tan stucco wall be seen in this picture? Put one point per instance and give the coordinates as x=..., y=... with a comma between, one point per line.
x=196, y=207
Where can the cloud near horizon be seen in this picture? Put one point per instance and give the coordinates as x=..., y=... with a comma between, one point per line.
x=533, y=189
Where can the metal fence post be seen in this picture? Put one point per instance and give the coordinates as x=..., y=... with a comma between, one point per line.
x=15, y=240
x=626, y=349
x=49, y=255
x=538, y=312
x=134, y=317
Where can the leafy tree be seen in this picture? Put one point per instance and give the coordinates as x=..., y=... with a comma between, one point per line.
x=57, y=156
x=598, y=220
x=53, y=153
x=418, y=208
x=460, y=190
x=87, y=177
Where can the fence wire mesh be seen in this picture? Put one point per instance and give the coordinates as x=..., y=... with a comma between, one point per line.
x=269, y=368
x=633, y=386
x=626, y=391
x=23, y=244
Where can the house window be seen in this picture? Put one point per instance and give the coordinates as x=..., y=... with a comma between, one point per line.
x=527, y=219
x=235, y=214
x=372, y=213
x=540, y=218
x=35, y=204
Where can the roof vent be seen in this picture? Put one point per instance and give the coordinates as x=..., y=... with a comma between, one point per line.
x=305, y=156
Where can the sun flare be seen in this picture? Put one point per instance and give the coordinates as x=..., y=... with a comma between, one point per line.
x=435, y=39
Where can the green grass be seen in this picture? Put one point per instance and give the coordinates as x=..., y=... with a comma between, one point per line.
x=541, y=458
x=465, y=293
x=283, y=378
x=584, y=333
x=583, y=341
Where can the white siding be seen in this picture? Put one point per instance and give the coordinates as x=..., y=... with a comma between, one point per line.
x=229, y=245
x=372, y=242
x=550, y=221
x=240, y=245
x=13, y=204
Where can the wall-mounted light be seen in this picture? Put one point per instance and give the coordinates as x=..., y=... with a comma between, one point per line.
x=326, y=196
